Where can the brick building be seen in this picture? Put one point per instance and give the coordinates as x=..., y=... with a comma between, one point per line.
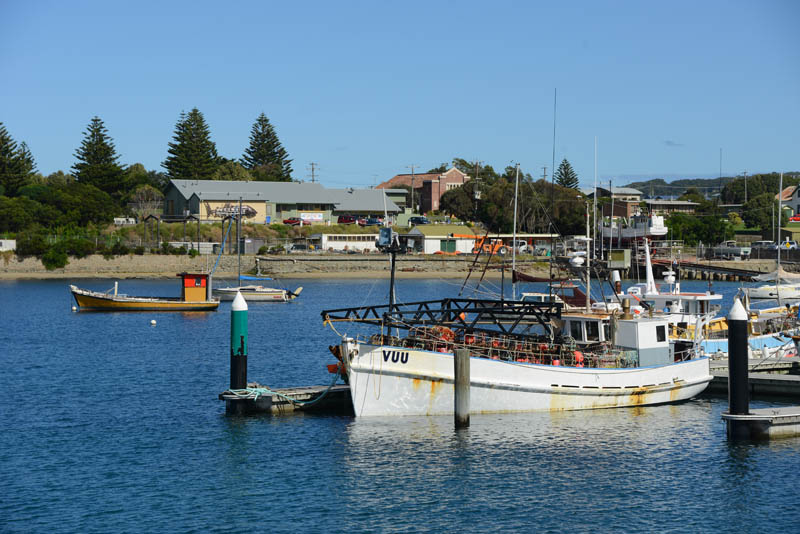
x=428, y=187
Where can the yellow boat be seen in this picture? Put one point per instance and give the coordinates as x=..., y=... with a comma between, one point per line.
x=195, y=296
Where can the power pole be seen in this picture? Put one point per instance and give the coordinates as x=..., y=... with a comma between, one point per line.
x=745, y=186
x=412, y=167
x=313, y=171
x=476, y=190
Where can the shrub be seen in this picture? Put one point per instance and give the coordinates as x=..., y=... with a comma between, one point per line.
x=55, y=258
x=31, y=244
x=263, y=250
x=194, y=253
x=139, y=251
x=119, y=249
x=77, y=247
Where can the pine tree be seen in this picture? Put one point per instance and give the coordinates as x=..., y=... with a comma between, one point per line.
x=565, y=176
x=192, y=154
x=265, y=156
x=97, y=161
x=16, y=164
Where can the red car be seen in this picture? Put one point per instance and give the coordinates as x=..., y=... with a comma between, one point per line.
x=794, y=218
x=293, y=221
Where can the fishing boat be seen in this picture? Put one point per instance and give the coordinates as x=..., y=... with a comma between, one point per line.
x=257, y=293
x=195, y=296
x=522, y=356
x=631, y=363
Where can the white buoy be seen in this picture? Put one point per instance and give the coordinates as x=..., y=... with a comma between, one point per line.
x=153, y=322
x=74, y=308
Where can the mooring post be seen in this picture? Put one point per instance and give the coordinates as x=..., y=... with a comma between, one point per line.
x=461, y=384
x=239, y=342
x=738, y=382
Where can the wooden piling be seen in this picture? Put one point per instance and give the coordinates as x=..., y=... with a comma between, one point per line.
x=461, y=387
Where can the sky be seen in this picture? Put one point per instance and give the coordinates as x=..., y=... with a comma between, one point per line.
x=365, y=90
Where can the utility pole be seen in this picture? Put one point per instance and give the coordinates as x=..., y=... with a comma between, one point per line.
x=412, y=167
x=745, y=186
x=313, y=171
x=544, y=174
x=476, y=190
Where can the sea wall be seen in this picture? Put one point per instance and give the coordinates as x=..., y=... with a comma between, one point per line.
x=311, y=265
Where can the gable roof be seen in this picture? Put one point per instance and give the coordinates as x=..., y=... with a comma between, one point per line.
x=280, y=192
x=362, y=200
x=788, y=193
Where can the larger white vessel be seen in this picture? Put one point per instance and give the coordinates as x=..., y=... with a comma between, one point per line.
x=523, y=358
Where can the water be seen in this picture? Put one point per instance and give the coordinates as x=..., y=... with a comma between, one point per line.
x=110, y=425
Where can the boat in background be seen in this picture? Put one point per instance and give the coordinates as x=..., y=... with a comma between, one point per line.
x=257, y=293
x=195, y=296
x=636, y=227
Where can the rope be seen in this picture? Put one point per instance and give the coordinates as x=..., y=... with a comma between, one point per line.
x=246, y=393
x=222, y=247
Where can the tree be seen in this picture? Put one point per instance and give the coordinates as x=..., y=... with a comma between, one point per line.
x=146, y=200
x=232, y=171
x=266, y=155
x=16, y=164
x=192, y=154
x=97, y=161
x=758, y=212
x=565, y=175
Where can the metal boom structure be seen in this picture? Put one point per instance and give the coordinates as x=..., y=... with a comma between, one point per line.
x=467, y=315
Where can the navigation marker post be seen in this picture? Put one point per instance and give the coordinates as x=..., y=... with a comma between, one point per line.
x=239, y=342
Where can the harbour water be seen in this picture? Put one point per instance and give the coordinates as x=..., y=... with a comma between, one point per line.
x=108, y=424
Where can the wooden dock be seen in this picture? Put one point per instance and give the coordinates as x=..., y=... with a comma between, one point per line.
x=312, y=399
x=768, y=377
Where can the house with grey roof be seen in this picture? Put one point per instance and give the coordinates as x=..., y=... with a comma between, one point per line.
x=269, y=202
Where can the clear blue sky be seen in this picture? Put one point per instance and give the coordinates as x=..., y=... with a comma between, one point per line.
x=366, y=88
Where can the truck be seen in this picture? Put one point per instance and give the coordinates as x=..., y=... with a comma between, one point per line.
x=730, y=250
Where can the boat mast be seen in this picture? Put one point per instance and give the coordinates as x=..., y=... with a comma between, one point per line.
x=780, y=218
x=594, y=207
x=514, y=240
x=610, y=220
x=588, y=261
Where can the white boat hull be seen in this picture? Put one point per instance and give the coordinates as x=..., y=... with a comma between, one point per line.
x=387, y=380
x=253, y=293
x=787, y=291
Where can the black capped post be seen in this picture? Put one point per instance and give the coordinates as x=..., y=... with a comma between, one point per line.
x=738, y=381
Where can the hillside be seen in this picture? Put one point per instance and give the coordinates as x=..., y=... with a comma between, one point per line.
x=658, y=187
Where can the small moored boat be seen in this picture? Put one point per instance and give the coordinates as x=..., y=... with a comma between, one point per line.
x=195, y=296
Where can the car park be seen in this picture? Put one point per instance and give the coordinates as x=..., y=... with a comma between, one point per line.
x=293, y=221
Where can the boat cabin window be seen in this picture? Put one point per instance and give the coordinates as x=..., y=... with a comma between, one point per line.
x=661, y=333
x=592, y=331
x=575, y=330
x=606, y=332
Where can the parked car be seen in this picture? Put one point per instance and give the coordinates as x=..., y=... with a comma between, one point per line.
x=788, y=245
x=373, y=221
x=417, y=220
x=293, y=221
x=347, y=219
x=299, y=248
x=763, y=245
x=794, y=218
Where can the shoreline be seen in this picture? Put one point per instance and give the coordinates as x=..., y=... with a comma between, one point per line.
x=234, y=275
